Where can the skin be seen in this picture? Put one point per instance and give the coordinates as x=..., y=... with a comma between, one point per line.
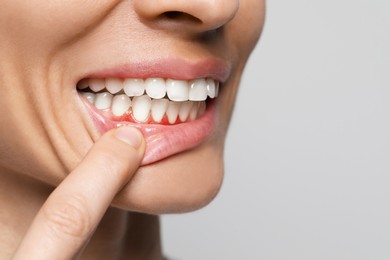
x=53, y=163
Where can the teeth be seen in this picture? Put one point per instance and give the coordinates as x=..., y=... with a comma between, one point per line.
x=114, y=85
x=141, y=108
x=120, y=104
x=194, y=111
x=185, y=109
x=173, y=111
x=210, y=88
x=134, y=87
x=96, y=85
x=89, y=96
x=202, y=108
x=83, y=84
x=177, y=90
x=103, y=100
x=143, y=105
x=155, y=87
x=159, y=107
x=152, y=98
x=198, y=90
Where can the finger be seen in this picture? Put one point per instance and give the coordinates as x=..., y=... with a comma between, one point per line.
x=71, y=213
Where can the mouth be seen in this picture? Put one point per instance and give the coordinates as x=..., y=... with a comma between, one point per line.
x=173, y=114
x=149, y=101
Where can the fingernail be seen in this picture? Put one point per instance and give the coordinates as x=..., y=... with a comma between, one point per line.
x=129, y=135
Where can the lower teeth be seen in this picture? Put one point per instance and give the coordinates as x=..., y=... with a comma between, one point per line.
x=143, y=109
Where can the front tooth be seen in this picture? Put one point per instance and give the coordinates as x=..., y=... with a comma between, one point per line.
x=159, y=107
x=185, y=109
x=172, y=111
x=103, y=100
x=134, y=87
x=155, y=87
x=120, y=104
x=96, y=84
x=89, y=96
x=210, y=88
x=198, y=90
x=114, y=85
x=141, y=108
x=177, y=90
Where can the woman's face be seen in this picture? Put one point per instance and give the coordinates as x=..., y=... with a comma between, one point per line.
x=71, y=70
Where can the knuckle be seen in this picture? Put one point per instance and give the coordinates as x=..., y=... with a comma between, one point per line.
x=69, y=217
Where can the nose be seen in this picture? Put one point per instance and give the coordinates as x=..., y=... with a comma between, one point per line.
x=195, y=15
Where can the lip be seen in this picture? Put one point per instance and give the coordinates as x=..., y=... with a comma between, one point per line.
x=163, y=141
x=216, y=69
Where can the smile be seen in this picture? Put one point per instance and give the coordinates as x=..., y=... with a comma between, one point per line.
x=172, y=102
x=151, y=100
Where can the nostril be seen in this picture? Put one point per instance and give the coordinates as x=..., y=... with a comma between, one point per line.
x=195, y=16
x=179, y=16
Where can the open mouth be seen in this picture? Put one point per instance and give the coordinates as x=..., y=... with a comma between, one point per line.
x=173, y=115
x=172, y=102
x=151, y=100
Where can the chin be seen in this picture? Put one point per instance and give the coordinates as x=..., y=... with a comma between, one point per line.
x=181, y=183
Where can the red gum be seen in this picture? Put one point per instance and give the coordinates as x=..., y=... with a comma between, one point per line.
x=128, y=117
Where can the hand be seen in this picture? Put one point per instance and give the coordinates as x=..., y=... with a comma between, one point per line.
x=68, y=218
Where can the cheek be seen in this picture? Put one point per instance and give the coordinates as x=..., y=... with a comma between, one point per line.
x=241, y=34
x=45, y=24
x=245, y=29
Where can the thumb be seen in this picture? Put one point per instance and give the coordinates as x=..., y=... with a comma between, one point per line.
x=71, y=213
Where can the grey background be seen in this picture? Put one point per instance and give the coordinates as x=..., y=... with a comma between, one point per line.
x=307, y=158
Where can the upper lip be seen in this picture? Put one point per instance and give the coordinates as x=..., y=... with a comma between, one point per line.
x=179, y=69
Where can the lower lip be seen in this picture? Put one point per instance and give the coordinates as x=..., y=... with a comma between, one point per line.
x=163, y=141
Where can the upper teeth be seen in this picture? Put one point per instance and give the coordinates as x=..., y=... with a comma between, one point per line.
x=156, y=88
x=152, y=97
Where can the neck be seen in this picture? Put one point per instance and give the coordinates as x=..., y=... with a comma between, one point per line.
x=120, y=234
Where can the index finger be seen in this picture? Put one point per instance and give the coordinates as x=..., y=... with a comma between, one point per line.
x=70, y=215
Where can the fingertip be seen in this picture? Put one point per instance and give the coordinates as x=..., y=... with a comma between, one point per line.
x=129, y=135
